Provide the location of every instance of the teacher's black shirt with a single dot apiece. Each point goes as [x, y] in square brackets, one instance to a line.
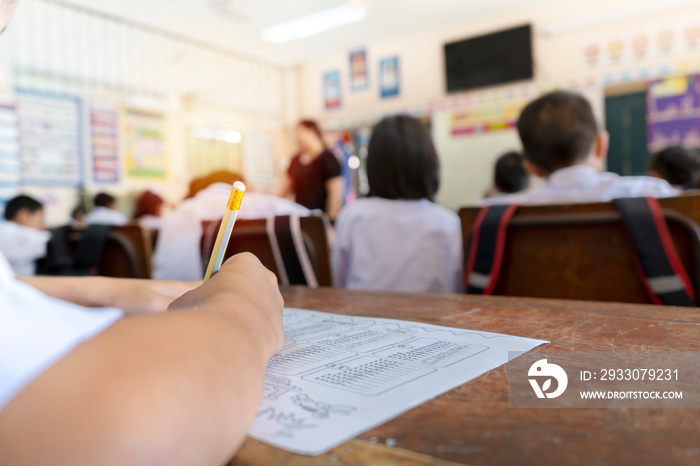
[310, 180]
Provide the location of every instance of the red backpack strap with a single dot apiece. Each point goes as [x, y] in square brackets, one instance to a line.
[486, 250]
[657, 261]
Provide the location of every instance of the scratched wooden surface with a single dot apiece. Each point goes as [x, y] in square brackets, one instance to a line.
[472, 424]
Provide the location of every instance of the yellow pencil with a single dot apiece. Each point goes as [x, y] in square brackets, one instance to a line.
[217, 254]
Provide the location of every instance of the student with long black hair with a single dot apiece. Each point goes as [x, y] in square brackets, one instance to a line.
[397, 238]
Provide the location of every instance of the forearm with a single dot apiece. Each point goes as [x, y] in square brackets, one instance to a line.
[334, 200]
[180, 388]
[84, 291]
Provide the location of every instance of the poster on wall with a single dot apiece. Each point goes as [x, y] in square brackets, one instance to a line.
[389, 79]
[50, 138]
[144, 144]
[673, 113]
[104, 144]
[331, 90]
[359, 74]
[10, 167]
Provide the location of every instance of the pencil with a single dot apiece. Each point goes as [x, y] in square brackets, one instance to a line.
[222, 238]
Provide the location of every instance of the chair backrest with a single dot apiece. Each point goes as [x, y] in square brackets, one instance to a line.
[583, 252]
[126, 252]
[254, 236]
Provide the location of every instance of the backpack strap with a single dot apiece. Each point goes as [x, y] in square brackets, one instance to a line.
[289, 249]
[91, 247]
[486, 250]
[658, 264]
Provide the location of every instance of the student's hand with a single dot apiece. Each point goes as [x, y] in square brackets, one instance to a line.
[245, 290]
[136, 297]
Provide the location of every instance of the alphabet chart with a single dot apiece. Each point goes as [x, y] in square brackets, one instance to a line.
[338, 376]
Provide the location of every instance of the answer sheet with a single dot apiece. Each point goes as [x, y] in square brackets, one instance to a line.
[338, 376]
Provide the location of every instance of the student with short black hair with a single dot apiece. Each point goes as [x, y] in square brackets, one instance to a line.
[563, 143]
[22, 236]
[509, 174]
[105, 212]
[398, 239]
[676, 165]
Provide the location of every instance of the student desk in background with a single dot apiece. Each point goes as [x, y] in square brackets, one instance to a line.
[472, 424]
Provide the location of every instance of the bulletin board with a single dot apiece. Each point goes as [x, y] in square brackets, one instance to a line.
[50, 128]
[673, 113]
[104, 143]
[10, 167]
[144, 144]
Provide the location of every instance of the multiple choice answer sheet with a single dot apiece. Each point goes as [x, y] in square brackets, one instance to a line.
[338, 376]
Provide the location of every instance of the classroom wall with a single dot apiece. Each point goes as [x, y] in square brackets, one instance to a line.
[65, 50]
[558, 63]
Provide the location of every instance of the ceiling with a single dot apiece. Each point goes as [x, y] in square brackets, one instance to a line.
[206, 20]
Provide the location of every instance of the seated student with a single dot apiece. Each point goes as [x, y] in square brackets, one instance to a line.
[23, 239]
[509, 175]
[149, 210]
[105, 212]
[177, 255]
[676, 165]
[397, 239]
[77, 217]
[562, 142]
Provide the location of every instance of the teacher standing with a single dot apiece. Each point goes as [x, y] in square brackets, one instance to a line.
[314, 174]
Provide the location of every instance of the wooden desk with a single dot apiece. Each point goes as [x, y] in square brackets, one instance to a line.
[472, 424]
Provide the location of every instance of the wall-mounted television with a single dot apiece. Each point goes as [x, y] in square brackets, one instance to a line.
[496, 58]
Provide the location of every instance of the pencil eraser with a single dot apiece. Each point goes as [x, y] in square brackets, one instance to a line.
[239, 186]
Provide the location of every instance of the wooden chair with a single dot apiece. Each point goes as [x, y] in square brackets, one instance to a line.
[583, 252]
[126, 253]
[253, 236]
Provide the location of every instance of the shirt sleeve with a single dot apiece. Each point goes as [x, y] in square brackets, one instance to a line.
[332, 166]
[36, 331]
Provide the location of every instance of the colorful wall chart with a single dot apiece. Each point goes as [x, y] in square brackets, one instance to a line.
[10, 167]
[104, 144]
[389, 77]
[331, 90]
[359, 74]
[144, 144]
[673, 113]
[50, 138]
[481, 116]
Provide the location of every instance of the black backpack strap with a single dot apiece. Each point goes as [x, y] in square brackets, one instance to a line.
[59, 254]
[486, 250]
[91, 247]
[657, 261]
[291, 252]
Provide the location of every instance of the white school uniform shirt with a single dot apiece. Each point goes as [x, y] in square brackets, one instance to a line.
[36, 331]
[398, 245]
[178, 256]
[583, 183]
[22, 246]
[105, 216]
[150, 222]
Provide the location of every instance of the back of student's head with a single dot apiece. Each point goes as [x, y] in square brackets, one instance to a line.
[221, 176]
[509, 174]
[148, 203]
[401, 160]
[557, 130]
[19, 203]
[676, 165]
[104, 200]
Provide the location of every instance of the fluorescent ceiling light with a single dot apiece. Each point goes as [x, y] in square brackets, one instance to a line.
[313, 24]
[638, 9]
